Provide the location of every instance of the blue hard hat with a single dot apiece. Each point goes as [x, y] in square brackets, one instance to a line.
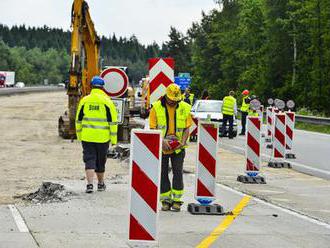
[97, 81]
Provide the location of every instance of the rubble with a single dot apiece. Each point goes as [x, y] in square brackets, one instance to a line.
[121, 152]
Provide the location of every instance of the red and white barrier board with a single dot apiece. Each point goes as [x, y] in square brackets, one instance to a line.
[194, 127]
[253, 144]
[161, 73]
[145, 165]
[206, 160]
[269, 116]
[290, 120]
[279, 137]
[261, 113]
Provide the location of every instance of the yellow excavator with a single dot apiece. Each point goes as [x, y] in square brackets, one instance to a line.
[85, 49]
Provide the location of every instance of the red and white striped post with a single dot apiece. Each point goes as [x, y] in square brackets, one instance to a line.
[194, 129]
[289, 128]
[206, 166]
[279, 143]
[161, 74]
[269, 116]
[145, 168]
[252, 153]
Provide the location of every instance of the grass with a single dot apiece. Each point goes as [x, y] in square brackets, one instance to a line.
[313, 127]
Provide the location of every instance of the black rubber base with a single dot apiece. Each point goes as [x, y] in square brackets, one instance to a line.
[269, 146]
[290, 156]
[251, 180]
[193, 138]
[279, 165]
[198, 209]
[263, 135]
[268, 140]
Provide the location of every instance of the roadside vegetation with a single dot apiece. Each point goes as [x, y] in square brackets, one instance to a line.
[313, 128]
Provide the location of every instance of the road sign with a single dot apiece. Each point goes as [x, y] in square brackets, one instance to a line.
[290, 104]
[280, 104]
[183, 82]
[270, 101]
[161, 74]
[184, 74]
[120, 107]
[255, 104]
[116, 81]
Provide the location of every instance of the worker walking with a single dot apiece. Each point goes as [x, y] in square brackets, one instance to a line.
[188, 97]
[172, 117]
[245, 110]
[96, 126]
[229, 109]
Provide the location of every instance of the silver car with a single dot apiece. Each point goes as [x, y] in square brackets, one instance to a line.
[204, 109]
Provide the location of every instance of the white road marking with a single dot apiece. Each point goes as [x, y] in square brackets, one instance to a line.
[20, 223]
[285, 210]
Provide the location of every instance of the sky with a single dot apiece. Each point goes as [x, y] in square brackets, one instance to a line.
[149, 20]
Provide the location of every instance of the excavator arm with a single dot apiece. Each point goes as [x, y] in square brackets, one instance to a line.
[85, 49]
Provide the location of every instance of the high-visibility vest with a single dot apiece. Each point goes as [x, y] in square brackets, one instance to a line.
[245, 106]
[228, 105]
[181, 114]
[190, 98]
[96, 119]
[253, 113]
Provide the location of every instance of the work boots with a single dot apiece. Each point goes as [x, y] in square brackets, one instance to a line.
[89, 188]
[176, 206]
[166, 205]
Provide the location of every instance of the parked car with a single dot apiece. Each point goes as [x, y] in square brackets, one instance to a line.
[202, 109]
[61, 85]
[20, 85]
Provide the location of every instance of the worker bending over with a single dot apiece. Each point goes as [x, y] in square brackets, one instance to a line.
[96, 126]
[172, 117]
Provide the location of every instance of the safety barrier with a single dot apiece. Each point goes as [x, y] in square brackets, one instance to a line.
[289, 132]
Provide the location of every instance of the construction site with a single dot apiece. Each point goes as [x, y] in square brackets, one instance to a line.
[265, 186]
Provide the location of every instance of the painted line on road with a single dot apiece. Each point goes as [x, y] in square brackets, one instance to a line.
[215, 234]
[283, 209]
[298, 165]
[20, 223]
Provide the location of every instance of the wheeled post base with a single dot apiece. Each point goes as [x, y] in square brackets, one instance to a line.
[269, 146]
[251, 180]
[279, 165]
[290, 156]
[198, 209]
[268, 140]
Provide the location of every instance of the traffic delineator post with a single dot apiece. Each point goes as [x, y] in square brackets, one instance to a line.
[274, 112]
[206, 168]
[289, 128]
[279, 144]
[269, 117]
[252, 153]
[145, 169]
[193, 129]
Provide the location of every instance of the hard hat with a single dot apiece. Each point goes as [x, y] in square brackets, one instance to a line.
[245, 92]
[173, 92]
[97, 81]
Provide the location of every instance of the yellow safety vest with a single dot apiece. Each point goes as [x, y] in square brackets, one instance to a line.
[228, 105]
[245, 106]
[253, 113]
[191, 98]
[96, 119]
[181, 114]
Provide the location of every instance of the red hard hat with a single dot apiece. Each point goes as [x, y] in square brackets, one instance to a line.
[245, 92]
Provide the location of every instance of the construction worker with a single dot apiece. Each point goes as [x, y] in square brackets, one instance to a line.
[245, 109]
[229, 109]
[96, 126]
[189, 97]
[172, 116]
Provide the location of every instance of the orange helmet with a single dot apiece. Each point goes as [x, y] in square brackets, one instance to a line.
[245, 92]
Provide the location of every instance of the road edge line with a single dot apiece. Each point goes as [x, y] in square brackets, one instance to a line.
[19, 221]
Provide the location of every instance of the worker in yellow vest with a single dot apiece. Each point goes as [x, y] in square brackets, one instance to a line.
[96, 126]
[229, 110]
[189, 97]
[172, 116]
[245, 109]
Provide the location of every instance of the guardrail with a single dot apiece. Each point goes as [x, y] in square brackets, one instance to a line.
[313, 120]
[25, 90]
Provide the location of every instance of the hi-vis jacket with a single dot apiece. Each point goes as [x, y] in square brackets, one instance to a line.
[96, 119]
[229, 105]
[245, 106]
[181, 114]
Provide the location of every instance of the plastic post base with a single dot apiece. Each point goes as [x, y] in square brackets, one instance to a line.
[290, 156]
[198, 209]
[269, 146]
[251, 180]
[268, 140]
[279, 165]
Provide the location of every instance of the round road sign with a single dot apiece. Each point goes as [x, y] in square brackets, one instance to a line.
[290, 104]
[116, 81]
[255, 104]
[280, 104]
[270, 101]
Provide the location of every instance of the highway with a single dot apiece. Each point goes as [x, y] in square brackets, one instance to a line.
[312, 151]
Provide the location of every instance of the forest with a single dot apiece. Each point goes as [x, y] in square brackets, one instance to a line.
[275, 48]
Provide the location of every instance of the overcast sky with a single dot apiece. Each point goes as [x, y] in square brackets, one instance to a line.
[149, 20]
